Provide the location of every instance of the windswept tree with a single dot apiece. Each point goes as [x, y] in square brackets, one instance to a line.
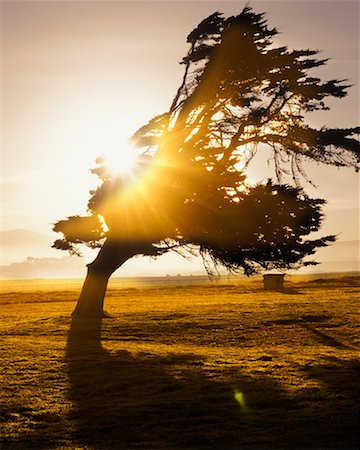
[239, 95]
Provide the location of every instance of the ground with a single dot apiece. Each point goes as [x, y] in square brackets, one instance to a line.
[200, 366]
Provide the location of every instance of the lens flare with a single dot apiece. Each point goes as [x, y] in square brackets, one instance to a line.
[240, 399]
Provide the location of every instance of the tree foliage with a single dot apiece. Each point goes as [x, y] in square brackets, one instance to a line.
[240, 94]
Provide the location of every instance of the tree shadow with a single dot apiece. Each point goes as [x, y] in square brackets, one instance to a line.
[124, 401]
[340, 378]
[171, 401]
[310, 323]
[324, 338]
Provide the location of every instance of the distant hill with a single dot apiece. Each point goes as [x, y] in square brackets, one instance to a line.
[28, 254]
[17, 245]
[65, 267]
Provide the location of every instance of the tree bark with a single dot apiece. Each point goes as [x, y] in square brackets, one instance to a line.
[112, 255]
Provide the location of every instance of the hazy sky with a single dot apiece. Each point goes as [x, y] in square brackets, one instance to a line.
[79, 77]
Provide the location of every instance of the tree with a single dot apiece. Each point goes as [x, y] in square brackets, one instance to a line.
[239, 95]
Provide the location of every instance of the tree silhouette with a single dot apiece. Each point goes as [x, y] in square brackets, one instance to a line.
[239, 95]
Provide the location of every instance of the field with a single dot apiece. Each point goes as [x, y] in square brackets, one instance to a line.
[197, 366]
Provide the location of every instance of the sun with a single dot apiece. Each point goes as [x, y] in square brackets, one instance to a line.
[123, 161]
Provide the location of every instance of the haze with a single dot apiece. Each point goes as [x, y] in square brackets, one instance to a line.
[80, 77]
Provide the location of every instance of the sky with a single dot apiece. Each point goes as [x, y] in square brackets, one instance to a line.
[78, 78]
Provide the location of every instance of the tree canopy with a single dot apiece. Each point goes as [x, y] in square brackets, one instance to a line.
[240, 94]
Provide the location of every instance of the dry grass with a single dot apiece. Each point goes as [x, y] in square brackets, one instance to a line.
[202, 366]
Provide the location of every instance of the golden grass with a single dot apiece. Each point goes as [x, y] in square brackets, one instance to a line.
[197, 366]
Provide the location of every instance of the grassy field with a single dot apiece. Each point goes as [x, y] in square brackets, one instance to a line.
[201, 366]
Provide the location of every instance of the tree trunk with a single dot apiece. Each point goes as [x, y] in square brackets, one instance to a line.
[111, 256]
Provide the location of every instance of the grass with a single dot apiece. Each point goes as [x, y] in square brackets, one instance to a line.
[203, 366]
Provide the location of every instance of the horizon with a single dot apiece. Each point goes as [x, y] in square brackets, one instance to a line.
[121, 281]
[343, 256]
